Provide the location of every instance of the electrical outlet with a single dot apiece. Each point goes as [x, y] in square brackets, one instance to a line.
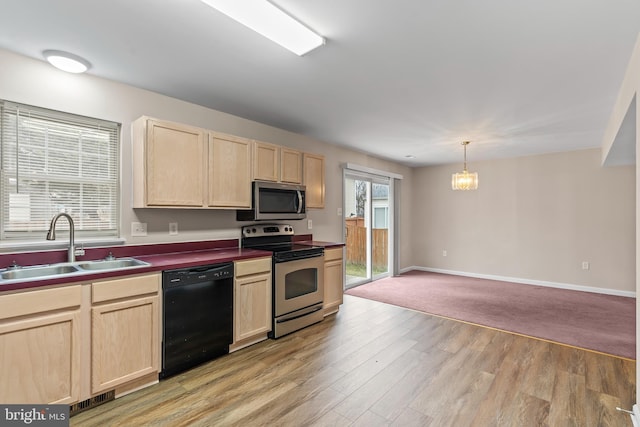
[339, 211]
[585, 265]
[173, 228]
[309, 224]
[138, 229]
[444, 252]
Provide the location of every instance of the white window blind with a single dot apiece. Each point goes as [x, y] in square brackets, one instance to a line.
[56, 162]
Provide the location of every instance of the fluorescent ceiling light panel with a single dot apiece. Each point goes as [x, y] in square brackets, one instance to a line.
[271, 22]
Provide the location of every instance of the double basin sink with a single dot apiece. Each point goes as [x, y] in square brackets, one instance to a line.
[67, 269]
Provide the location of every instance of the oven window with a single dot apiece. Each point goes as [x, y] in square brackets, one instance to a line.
[300, 282]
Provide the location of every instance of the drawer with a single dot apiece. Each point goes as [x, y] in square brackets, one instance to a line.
[39, 301]
[332, 254]
[253, 266]
[125, 288]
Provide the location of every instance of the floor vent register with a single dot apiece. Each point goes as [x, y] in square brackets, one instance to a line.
[92, 402]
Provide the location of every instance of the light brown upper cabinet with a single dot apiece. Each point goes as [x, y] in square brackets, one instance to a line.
[276, 163]
[229, 171]
[178, 166]
[169, 163]
[290, 166]
[314, 179]
[266, 161]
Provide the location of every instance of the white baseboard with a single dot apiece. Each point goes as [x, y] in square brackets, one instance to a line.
[526, 281]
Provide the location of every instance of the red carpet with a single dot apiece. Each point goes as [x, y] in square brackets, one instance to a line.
[604, 323]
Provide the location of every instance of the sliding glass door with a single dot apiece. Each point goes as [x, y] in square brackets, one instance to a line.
[367, 209]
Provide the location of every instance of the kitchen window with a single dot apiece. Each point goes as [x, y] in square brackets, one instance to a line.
[56, 162]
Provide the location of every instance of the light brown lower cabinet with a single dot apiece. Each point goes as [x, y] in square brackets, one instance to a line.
[125, 331]
[69, 343]
[40, 346]
[333, 280]
[251, 302]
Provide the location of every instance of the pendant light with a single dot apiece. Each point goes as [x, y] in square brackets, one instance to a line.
[465, 180]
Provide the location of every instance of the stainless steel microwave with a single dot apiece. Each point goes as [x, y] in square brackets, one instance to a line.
[275, 201]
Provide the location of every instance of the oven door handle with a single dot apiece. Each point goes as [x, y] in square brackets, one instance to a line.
[279, 258]
[300, 313]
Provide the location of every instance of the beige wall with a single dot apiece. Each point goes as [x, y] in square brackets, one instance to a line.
[534, 218]
[622, 140]
[35, 82]
[563, 210]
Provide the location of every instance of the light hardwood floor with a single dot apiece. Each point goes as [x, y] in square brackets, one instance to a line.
[375, 364]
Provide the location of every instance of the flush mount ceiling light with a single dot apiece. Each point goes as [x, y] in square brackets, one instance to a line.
[271, 22]
[66, 61]
[465, 180]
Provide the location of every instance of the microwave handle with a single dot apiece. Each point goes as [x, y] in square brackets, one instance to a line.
[299, 201]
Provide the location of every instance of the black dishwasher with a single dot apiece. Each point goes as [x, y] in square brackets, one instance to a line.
[197, 316]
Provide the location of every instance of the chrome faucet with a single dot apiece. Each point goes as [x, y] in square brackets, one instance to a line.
[51, 235]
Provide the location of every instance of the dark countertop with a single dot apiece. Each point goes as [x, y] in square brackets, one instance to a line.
[326, 245]
[159, 262]
[307, 239]
[192, 259]
[164, 256]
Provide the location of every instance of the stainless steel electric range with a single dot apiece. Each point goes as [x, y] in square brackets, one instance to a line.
[297, 276]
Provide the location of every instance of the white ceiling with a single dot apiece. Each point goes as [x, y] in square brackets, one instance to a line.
[396, 78]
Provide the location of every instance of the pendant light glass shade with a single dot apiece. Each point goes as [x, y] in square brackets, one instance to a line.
[465, 180]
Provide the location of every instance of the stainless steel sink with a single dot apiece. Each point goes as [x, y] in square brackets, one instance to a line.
[112, 264]
[78, 268]
[38, 272]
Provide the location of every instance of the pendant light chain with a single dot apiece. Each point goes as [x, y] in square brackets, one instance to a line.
[465, 154]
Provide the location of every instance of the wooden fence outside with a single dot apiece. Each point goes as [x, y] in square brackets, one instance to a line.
[357, 244]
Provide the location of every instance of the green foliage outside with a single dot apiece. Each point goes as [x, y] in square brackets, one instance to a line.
[360, 270]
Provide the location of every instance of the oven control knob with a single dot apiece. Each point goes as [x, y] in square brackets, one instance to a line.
[247, 231]
[254, 230]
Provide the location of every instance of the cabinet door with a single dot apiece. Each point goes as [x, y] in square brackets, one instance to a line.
[266, 164]
[124, 344]
[291, 166]
[41, 359]
[314, 179]
[175, 165]
[252, 306]
[40, 346]
[333, 280]
[229, 171]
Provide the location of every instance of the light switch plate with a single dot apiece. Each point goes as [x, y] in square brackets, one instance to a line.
[309, 224]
